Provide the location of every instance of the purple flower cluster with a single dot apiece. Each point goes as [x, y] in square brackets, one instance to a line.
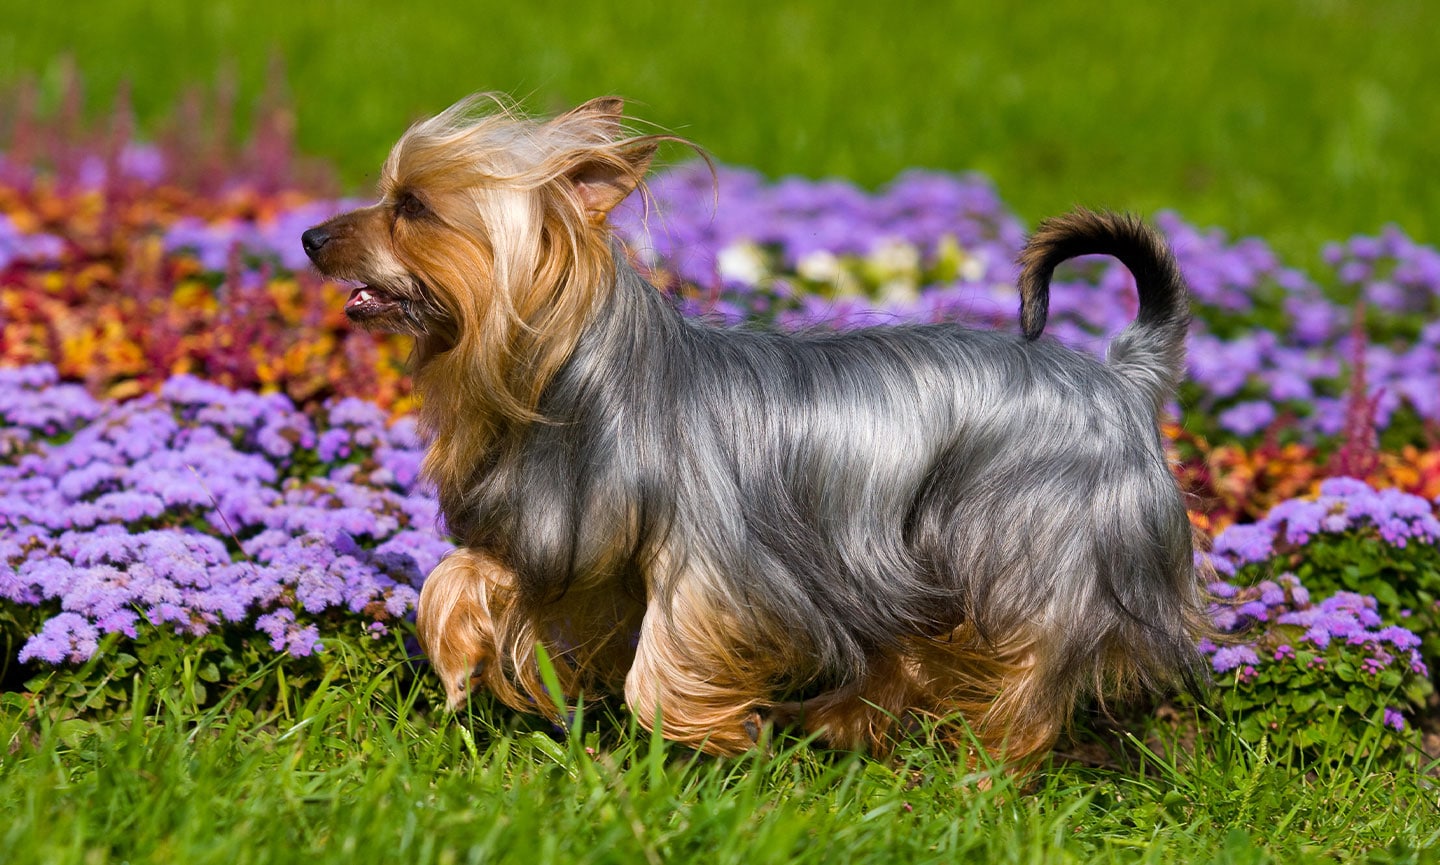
[1399, 518]
[200, 508]
[696, 217]
[34, 404]
[1391, 271]
[1344, 617]
[33, 247]
[1276, 622]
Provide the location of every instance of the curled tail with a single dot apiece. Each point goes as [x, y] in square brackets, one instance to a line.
[1152, 349]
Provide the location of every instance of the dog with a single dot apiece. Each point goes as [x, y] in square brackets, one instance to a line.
[848, 531]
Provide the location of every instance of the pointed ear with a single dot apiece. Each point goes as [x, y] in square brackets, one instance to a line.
[603, 184]
[605, 110]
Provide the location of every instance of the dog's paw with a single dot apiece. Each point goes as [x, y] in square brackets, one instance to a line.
[459, 685]
[786, 716]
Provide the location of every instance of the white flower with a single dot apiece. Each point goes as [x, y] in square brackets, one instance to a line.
[819, 266]
[742, 262]
[953, 261]
[898, 292]
[973, 267]
[892, 258]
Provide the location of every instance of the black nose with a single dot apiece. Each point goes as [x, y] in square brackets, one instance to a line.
[313, 239]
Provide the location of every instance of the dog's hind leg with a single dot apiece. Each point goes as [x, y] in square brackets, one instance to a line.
[700, 672]
[860, 714]
[998, 693]
[1008, 695]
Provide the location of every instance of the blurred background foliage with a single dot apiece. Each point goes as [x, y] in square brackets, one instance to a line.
[1298, 120]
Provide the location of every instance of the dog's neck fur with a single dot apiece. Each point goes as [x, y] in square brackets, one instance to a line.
[466, 422]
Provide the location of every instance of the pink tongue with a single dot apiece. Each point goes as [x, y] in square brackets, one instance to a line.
[359, 296]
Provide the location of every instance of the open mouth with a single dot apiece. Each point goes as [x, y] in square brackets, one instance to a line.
[369, 302]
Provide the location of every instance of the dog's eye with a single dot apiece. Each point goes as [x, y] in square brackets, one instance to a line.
[409, 205]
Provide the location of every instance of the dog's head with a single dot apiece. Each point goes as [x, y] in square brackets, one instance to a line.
[486, 221]
[489, 238]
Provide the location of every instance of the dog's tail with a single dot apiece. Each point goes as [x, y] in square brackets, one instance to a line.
[1152, 349]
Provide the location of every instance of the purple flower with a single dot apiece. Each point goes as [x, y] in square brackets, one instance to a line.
[1271, 595]
[1222, 589]
[334, 444]
[67, 637]
[178, 512]
[1256, 610]
[1244, 544]
[1228, 658]
[1302, 519]
[1247, 418]
[1399, 637]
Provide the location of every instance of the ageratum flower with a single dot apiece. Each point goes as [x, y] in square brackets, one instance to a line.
[1270, 622]
[1228, 658]
[65, 638]
[1248, 418]
[36, 248]
[1343, 504]
[184, 510]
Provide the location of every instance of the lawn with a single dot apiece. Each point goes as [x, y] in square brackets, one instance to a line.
[356, 775]
[210, 527]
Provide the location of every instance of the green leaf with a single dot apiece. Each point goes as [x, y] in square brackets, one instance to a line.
[551, 680]
[72, 731]
[1385, 593]
[547, 746]
[1360, 700]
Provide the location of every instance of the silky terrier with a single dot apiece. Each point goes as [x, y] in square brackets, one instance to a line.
[848, 531]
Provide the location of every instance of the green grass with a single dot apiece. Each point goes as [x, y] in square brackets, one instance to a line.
[1298, 120]
[332, 774]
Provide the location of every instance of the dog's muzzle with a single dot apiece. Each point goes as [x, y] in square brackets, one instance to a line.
[313, 240]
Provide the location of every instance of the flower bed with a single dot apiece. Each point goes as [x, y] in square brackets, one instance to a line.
[1328, 613]
[201, 509]
[124, 273]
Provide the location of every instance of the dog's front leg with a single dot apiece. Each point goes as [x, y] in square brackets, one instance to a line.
[455, 619]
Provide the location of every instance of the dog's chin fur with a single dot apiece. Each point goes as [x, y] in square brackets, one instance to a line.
[893, 523]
